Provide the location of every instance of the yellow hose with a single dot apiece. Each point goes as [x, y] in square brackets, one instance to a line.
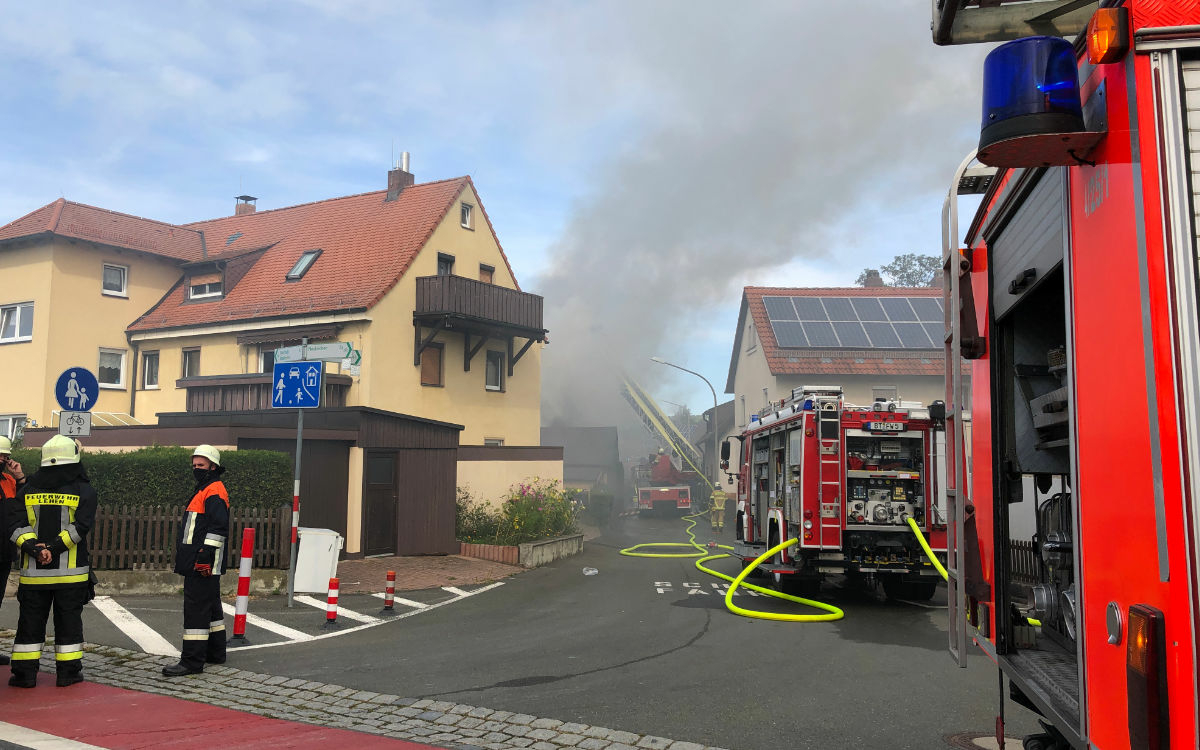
[925, 546]
[831, 612]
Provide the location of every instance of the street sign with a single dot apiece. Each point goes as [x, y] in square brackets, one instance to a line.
[330, 352]
[75, 423]
[296, 385]
[76, 389]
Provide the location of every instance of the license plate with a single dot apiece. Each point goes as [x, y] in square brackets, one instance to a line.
[885, 426]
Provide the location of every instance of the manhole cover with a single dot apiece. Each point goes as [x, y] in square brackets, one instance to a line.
[980, 741]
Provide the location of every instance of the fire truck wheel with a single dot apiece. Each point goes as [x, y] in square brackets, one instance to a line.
[921, 590]
[893, 586]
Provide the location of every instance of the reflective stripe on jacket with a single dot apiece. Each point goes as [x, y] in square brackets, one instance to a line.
[60, 518]
[202, 537]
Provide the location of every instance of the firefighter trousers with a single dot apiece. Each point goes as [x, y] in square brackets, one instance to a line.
[203, 622]
[35, 602]
[717, 516]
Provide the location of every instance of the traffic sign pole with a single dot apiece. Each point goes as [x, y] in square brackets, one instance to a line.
[296, 494]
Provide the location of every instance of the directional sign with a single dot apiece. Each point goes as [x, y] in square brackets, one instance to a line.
[75, 423]
[76, 389]
[296, 385]
[330, 352]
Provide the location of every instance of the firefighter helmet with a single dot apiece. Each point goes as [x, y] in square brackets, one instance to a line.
[60, 450]
[5, 446]
[209, 452]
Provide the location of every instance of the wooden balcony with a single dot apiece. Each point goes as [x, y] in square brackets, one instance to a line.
[249, 391]
[458, 302]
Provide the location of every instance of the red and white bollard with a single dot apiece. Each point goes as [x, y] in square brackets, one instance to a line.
[331, 604]
[242, 605]
[389, 595]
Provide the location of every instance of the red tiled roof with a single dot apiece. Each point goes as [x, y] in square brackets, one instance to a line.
[83, 222]
[812, 361]
[367, 243]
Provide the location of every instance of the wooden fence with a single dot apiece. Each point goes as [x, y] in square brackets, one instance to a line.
[129, 537]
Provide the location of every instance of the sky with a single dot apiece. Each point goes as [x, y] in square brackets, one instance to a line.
[642, 161]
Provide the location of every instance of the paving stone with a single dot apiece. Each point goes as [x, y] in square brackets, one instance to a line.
[519, 719]
[542, 734]
[516, 730]
[405, 701]
[545, 723]
[600, 733]
[472, 733]
[620, 746]
[276, 681]
[496, 745]
[364, 695]
[422, 704]
[407, 711]
[443, 737]
[568, 739]
[384, 699]
[345, 692]
[686, 746]
[520, 742]
[625, 738]
[501, 716]
[651, 742]
[430, 715]
[543, 746]
[468, 722]
[442, 706]
[592, 743]
[448, 719]
[496, 737]
[460, 709]
[328, 689]
[480, 713]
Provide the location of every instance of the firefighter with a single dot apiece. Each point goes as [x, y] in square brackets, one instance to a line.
[199, 558]
[12, 476]
[716, 509]
[49, 521]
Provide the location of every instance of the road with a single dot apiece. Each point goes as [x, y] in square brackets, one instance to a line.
[644, 646]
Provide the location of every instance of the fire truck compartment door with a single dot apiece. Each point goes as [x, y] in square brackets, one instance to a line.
[1029, 240]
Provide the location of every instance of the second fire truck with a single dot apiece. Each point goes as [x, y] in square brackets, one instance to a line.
[843, 481]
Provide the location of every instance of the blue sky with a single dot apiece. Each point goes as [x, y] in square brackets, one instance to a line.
[641, 161]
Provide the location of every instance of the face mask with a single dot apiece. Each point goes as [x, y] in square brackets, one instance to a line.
[200, 474]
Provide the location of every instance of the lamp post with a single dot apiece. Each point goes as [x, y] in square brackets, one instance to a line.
[713, 423]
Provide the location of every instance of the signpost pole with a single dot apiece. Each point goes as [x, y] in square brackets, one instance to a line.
[296, 493]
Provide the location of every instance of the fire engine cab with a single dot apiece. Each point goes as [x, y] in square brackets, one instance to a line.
[843, 480]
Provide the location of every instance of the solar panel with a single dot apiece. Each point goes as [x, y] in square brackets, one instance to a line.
[810, 308]
[937, 332]
[779, 308]
[897, 308]
[882, 335]
[912, 336]
[851, 335]
[839, 308]
[788, 333]
[868, 308]
[820, 334]
[927, 308]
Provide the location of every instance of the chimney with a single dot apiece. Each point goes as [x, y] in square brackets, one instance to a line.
[399, 178]
[872, 278]
[245, 205]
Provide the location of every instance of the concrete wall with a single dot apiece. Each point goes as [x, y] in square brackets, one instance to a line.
[489, 481]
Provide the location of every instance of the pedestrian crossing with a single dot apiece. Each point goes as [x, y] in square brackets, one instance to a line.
[153, 624]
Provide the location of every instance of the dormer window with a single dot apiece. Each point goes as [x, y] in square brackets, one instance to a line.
[205, 286]
[302, 265]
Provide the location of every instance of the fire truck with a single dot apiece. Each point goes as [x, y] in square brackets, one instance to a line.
[843, 480]
[660, 486]
[1072, 298]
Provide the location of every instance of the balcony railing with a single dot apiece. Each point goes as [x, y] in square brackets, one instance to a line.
[250, 391]
[459, 297]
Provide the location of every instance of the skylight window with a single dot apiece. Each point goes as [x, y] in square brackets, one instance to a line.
[232, 238]
[302, 265]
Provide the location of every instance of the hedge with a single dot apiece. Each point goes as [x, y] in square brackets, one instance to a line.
[162, 476]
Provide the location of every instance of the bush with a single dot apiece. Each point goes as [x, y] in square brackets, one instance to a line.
[162, 476]
[532, 511]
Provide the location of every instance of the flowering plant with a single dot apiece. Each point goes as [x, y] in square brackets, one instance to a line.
[537, 509]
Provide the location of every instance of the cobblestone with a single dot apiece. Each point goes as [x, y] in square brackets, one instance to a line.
[444, 723]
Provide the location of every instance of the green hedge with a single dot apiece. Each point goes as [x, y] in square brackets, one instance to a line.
[162, 476]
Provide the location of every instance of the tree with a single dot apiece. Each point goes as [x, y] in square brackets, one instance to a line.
[909, 269]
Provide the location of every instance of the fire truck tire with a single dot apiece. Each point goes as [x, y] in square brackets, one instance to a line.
[921, 591]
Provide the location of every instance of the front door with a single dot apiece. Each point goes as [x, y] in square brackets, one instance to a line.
[379, 503]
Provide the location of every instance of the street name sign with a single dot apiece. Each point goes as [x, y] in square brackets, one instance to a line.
[335, 351]
[296, 385]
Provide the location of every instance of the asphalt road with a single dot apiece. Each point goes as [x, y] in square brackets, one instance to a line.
[611, 650]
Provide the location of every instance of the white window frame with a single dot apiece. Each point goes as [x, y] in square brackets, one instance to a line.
[124, 290]
[120, 385]
[466, 215]
[22, 309]
[493, 442]
[9, 424]
[303, 264]
[499, 387]
[208, 292]
[183, 357]
[146, 384]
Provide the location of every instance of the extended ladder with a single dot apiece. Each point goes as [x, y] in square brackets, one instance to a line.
[658, 423]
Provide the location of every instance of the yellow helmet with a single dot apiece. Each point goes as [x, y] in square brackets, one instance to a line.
[209, 452]
[5, 446]
[60, 450]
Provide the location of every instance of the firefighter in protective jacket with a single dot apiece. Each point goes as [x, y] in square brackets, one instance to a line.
[49, 521]
[200, 558]
[11, 479]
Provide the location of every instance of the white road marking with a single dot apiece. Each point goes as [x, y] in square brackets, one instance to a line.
[274, 627]
[32, 738]
[405, 602]
[142, 634]
[341, 611]
[455, 591]
[923, 604]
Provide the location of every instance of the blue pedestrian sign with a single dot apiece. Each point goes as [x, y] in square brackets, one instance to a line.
[76, 389]
[296, 385]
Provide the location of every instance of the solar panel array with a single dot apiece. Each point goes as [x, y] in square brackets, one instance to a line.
[857, 322]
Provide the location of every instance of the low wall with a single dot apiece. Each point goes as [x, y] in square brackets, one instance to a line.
[487, 472]
[500, 553]
[527, 555]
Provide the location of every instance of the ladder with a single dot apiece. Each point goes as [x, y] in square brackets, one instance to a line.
[658, 423]
[829, 465]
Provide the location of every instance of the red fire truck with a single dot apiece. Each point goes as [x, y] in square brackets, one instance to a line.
[660, 486]
[1073, 525]
[843, 480]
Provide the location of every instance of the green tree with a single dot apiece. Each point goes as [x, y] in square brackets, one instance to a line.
[909, 269]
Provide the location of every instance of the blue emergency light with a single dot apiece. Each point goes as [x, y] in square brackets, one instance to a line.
[1030, 87]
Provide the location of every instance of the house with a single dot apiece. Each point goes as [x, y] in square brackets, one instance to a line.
[591, 461]
[876, 342]
[185, 319]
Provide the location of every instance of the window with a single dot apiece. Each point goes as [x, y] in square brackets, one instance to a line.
[110, 373]
[208, 289]
[191, 362]
[486, 273]
[150, 370]
[494, 377]
[493, 442]
[266, 357]
[16, 322]
[302, 265]
[445, 264]
[115, 278]
[431, 365]
[467, 215]
[12, 426]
